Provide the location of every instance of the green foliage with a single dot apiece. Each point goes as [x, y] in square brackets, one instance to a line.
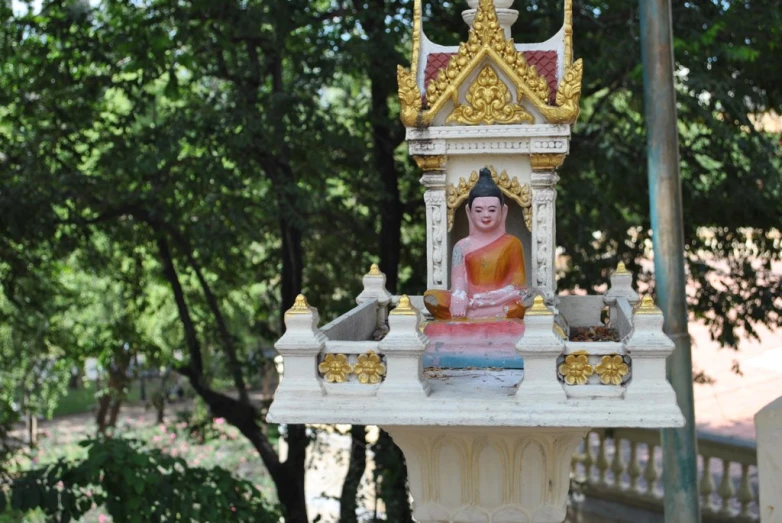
[137, 485]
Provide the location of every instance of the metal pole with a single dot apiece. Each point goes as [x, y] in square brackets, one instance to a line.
[679, 445]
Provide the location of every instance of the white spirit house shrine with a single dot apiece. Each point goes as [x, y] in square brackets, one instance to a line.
[489, 379]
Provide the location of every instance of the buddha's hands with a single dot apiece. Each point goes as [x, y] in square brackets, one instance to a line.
[496, 297]
[459, 304]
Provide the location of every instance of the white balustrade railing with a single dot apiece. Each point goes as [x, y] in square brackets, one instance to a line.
[625, 466]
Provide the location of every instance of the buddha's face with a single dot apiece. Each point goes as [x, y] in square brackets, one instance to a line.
[486, 213]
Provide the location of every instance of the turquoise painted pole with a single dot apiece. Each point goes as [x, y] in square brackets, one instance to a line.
[680, 473]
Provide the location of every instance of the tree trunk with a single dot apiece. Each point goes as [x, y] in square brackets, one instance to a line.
[104, 402]
[287, 477]
[391, 210]
[116, 405]
[356, 467]
[393, 486]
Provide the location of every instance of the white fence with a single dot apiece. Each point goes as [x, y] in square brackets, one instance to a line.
[625, 466]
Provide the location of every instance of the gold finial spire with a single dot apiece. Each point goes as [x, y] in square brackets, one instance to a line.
[647, 306]
[416, 38]
[621, 269]
[539, 308]
[568, 58]
[300, 306]
[404, 308]
[374, 270]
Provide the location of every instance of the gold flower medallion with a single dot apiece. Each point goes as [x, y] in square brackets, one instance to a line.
[612, 370]
[335, 368]
[369, 369]
[576, 370]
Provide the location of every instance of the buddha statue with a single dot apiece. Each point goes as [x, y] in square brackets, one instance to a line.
[488, 276]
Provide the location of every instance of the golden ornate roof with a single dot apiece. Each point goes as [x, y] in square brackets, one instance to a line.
[487, 48]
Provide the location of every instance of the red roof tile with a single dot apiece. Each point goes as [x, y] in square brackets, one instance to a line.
[544, 61]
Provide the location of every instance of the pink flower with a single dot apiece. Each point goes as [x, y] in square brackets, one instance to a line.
[219, 421]
[102, 518]
[233, 509]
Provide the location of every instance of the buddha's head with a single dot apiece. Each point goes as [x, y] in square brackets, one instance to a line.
[486, 209]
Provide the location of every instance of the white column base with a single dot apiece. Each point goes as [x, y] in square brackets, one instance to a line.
[488, 475]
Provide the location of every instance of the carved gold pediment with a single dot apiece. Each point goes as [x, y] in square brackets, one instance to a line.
[487, 44]
[489, 101]
[456, 195]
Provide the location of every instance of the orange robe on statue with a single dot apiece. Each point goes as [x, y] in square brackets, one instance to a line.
[492, 267]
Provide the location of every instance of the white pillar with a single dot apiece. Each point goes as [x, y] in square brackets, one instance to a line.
[540, 348]
[768, 423]
[434, 179]
[544, 198]
[403, 347]
[375, 289]
[299, 348]
[436, 238]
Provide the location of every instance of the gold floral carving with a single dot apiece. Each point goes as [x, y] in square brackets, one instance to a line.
[489, 102]
[404, 308]
[335, 368]
[546, 162]
[510, 187]
[568, 96]
[621, 269]
[300, 306]
[576, 369]
[487, 40]
[612, 369]
[430, 163]
[374, 270]
[409, 97]
[369, 369]
[539, 308]
[647, 307]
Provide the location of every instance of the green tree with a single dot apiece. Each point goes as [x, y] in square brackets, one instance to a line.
[136, 485]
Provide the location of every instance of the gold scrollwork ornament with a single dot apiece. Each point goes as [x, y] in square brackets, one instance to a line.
[546, 162]
[409, 97]
[430, 163]
[489, 102]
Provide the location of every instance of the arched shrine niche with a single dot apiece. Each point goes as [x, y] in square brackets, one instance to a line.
[518, 198]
